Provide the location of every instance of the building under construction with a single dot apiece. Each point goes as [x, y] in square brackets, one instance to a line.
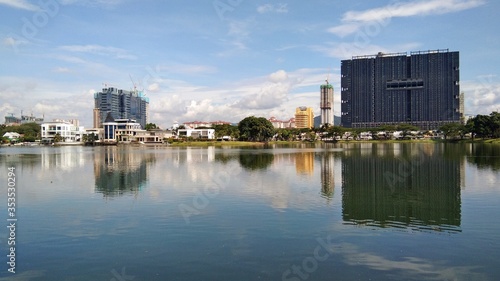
[120, 104]
[422, 89]
[326, 104]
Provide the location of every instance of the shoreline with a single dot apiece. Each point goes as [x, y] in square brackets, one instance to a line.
[262, 144]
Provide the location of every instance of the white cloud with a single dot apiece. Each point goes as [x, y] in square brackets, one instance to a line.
[13, 42]
[345, 29]
[271, 94]
[99, 50]
[154, 87]
[278, 76]
[20, 4]
[413, 268]
[275, 94]
[482, 95]
[273, 8]
[412, 8]
[353, 21]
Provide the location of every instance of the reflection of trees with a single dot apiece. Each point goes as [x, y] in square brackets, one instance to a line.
[485, 156]
[20, 161]
[256, 161]
[120, 171]
[225, 158]
[416, 187]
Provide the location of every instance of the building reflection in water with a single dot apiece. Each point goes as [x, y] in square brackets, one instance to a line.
[327, 174]
[120, 171]
[304, 163]
[409, 186]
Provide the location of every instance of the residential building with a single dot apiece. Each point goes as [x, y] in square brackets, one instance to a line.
[128, 131]
[12, 136]
[280, 124]
[197, 133]
[120, 104]
[326, 104]
[422, 89]
[304, 117]
[67, 131]
[201, 124]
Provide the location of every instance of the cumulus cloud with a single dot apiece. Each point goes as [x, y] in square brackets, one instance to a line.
[173, 100]
[272, 94]
[278, 76]
[482, 95]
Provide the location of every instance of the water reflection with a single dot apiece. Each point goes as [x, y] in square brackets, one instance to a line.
[484, 156]
[408, 186]
[120, 171]
[256, 161]
[304, 163]
[327, 174]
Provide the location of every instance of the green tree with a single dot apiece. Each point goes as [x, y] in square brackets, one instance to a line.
[335, 132]
[151, 126]
[31, 131]
[406, 129]
[58, 138]
[479, 126]
[389, 130]
[453, 130]
[226, 130]
[256, 129]
[495, 124]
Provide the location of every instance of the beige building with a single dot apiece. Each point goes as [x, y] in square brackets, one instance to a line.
[304, 117]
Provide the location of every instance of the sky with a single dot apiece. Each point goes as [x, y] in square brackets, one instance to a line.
[226, 59]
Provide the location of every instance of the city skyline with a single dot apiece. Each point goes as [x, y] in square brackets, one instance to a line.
[226, 60]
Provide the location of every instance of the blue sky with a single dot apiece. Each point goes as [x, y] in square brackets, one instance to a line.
[226, 59]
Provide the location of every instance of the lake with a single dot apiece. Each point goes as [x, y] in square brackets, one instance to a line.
[351, 211]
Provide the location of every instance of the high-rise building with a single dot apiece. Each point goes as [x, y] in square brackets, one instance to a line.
[326, 104]
[304, 117]
[120, 104]
[421, 89]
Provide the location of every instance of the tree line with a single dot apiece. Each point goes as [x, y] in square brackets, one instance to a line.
[260, 129]
[480, 126]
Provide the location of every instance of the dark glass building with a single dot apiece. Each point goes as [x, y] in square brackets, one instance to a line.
[121, 104]
[421, 89]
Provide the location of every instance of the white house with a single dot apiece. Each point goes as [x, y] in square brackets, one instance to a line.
[66, 130]
[197, 133]
[128, 131]
[12, 135]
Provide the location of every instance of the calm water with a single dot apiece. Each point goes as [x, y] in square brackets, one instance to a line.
[330, 212]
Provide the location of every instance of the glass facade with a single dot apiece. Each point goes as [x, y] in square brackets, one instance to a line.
[122, 105]
[421, 89]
